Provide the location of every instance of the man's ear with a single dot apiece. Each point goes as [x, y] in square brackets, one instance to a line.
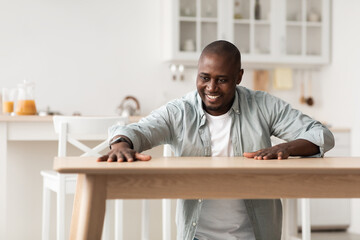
[239, 77]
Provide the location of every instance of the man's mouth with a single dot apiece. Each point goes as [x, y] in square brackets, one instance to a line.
[212, 97]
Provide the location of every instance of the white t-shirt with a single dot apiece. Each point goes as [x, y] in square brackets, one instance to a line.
[223, 218]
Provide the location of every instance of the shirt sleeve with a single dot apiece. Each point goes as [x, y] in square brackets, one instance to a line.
[290, 124]
[151, 131]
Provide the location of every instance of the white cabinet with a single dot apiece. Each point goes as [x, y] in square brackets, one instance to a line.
[285, 32]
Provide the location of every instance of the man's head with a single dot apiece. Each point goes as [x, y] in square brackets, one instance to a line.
[219, 71]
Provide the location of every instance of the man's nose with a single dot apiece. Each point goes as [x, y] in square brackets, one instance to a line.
[211, 86]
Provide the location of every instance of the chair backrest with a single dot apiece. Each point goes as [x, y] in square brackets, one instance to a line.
[74, 128]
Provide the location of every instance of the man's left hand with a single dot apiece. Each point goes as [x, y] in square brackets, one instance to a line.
[276, 152]
[299, 147]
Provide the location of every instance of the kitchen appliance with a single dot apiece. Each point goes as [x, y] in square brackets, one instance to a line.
[129, 106]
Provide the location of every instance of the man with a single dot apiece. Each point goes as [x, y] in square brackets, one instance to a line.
[223, 119]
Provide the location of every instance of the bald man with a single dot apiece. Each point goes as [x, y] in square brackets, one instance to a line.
[222, 118]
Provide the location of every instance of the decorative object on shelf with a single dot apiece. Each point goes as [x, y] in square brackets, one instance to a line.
[283, 78]
[129, 106]
[189, 45]
[209, 12]
[314, 17]
[237, 10]
[257, 10]
[186, 12]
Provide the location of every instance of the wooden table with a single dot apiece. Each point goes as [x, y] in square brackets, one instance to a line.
[202, 177]
[22, 128]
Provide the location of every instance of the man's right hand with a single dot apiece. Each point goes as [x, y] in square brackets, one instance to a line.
[121, 152]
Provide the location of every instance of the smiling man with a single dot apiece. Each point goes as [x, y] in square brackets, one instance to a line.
[222, 118]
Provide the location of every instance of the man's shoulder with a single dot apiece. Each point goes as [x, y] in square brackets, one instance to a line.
[189, 99]
[244, 92]
[252, 96]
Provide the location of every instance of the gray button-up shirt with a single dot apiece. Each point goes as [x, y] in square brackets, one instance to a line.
[256, 116]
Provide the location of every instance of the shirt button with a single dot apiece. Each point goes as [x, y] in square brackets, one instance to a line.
[200, 200]
[194, 224]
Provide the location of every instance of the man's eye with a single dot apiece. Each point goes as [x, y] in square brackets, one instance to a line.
[204, 78]
[222, 80]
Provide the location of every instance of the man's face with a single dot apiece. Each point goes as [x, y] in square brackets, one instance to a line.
[216, 82]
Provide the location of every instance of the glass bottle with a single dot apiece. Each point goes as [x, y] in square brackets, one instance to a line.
[25, 104]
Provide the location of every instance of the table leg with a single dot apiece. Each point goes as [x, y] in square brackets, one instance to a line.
[3, 179]
[89, 208]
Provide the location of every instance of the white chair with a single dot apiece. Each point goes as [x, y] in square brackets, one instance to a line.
[73, 129]
[290, 220]
[166, 211]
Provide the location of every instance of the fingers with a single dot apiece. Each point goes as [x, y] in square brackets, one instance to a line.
[267, 154]
[102, 158]
[142, 157]
[123, 156]
[250, 154]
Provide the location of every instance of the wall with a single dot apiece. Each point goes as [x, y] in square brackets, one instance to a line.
[88, 55]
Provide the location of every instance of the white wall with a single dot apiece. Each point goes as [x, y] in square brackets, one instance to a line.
[87, 55]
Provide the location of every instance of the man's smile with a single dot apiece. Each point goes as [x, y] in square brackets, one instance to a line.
[212, 97]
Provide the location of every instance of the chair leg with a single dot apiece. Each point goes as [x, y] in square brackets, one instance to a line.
[119, 219]
[107, 221]
[45, 231]
[290, 219]
[60, 213]
[145, 220]
[166, 219]
[305, 219]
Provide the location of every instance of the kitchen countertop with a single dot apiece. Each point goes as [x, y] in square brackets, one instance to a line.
[36, 118]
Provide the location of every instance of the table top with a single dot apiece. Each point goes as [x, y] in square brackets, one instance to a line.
[167, 165]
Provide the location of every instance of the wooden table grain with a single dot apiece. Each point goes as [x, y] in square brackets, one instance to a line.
[202, 177]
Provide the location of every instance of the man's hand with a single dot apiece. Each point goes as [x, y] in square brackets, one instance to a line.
[276, 152]
[121, 152]
[299, 147]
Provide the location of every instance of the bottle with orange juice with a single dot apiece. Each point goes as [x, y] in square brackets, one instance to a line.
[25, 104]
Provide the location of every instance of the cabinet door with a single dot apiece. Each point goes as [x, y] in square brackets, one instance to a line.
[307, 30]
[251, 26]
[198, 24]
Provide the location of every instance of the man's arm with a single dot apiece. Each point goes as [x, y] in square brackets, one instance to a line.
[122, 152]
[299, 147]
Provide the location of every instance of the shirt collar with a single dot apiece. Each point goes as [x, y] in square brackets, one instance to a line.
[235, 105]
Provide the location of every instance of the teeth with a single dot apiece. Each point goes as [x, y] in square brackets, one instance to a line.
[213, 97]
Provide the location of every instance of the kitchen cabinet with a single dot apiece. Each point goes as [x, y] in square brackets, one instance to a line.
[287, 32]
